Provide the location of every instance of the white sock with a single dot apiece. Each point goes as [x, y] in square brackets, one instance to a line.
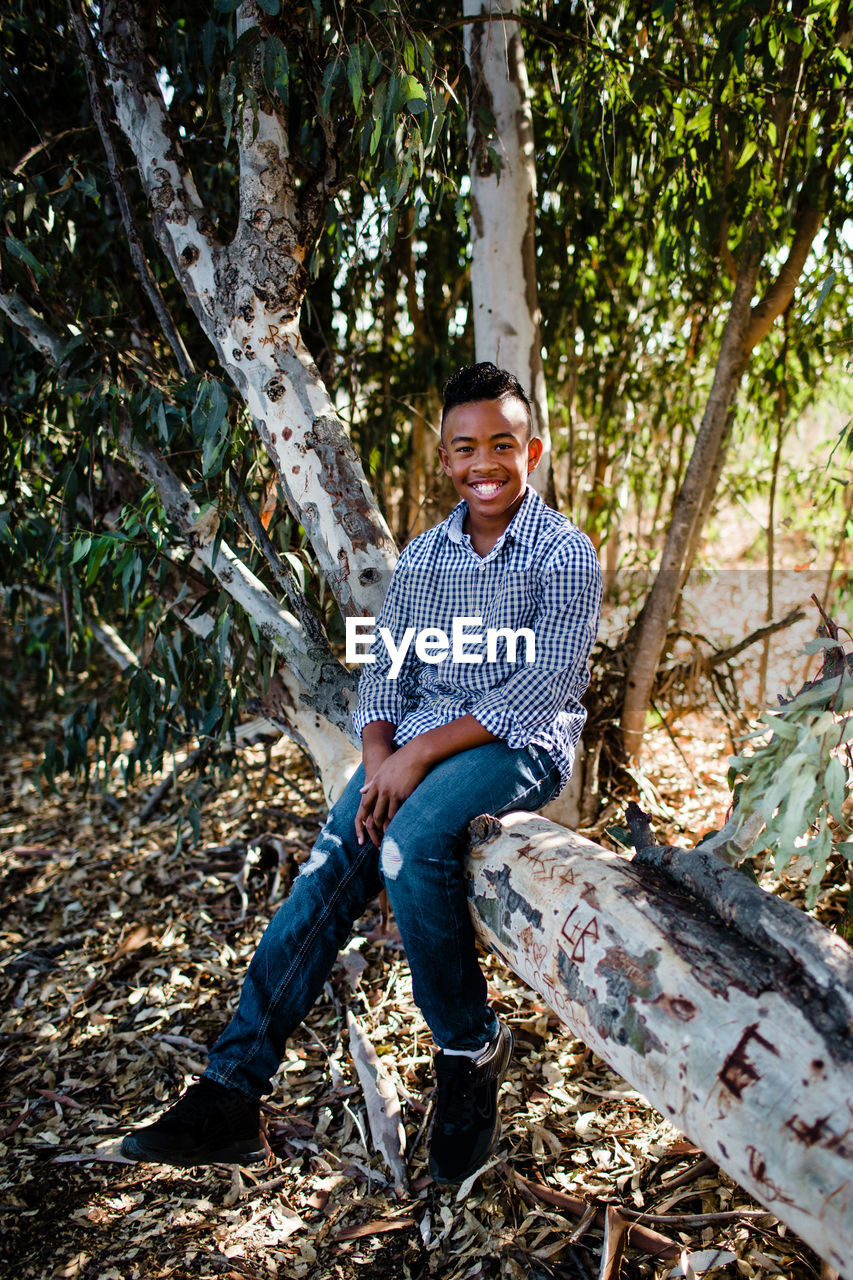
[465, 1053]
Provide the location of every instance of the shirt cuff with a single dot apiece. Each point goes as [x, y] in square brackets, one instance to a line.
[493, 714]
[384, 707]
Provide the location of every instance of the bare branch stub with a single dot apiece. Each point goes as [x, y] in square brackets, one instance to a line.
[640, 826]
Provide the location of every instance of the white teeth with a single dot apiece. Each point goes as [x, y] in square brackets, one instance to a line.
[486, 488]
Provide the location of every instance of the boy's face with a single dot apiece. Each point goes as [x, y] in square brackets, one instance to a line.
[488, 453]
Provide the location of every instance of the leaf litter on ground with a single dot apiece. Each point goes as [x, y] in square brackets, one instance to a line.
[121, 959]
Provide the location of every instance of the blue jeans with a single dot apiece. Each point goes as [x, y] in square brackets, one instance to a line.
[421, 862]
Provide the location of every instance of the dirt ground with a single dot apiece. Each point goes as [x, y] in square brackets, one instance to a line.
[121, 956]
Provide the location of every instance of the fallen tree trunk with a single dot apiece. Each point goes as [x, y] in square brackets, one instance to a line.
[741, 1038]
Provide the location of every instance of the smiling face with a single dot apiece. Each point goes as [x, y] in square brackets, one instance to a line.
[488, 452]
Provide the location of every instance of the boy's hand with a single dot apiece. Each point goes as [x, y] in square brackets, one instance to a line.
[391, 776]
[377, 744]
[383, 793]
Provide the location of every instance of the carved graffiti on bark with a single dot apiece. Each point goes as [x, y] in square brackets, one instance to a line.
[738, 1072]
[578, 935]
[770, 1191]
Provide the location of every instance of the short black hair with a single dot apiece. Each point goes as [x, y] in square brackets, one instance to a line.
[484, 381]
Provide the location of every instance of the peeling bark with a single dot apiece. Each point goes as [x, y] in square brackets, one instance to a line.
[507, 319]
[736, 1025]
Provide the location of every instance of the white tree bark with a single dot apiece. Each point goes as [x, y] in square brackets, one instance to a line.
[247, 297]
[503, 208]
[735, 1023]
[44, 339]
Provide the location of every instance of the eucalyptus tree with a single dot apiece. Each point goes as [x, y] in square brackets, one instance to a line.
[751, 171]
[310, 104]
[289, 152]
[506, 315]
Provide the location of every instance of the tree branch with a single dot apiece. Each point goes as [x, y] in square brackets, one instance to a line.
[181, 222]
[95, 75]
[282, 571]
[778, 297]
[44, 339]
[330, 684]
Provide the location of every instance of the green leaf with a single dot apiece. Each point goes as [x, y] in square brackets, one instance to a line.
[825, 290]
[329, 77]
[22, 253]
[701, 121]
[819, 644]
[269, 6]
[835, 781]
[210, 720]
[413, 90]
[747, 153]
[375, 135]
[88, 187]
[354, 77]
[81, 548]
[96, 559]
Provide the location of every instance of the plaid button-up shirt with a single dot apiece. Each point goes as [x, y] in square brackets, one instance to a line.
[541, 574]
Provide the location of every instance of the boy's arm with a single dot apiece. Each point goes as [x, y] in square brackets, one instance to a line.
[381, 699]
[377, 744]
[400, 772]
[565, 627]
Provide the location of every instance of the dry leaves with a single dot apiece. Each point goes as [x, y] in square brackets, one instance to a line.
[120, 960]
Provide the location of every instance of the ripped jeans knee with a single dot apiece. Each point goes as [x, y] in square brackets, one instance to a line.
[390, 858]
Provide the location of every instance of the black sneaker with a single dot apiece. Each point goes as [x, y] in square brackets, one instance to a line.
[210, 1124]
[466, 1127]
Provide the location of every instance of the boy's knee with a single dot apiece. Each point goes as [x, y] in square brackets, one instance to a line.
[329, 841]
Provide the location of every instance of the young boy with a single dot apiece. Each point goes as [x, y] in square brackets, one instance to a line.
[447, 733]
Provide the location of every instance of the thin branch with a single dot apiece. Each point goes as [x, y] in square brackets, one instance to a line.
[685, 670]
[180, 219]
[639, 1237]
[284, 575]
[316, 669]
[45, 144]
[95, 76]
[43, 338]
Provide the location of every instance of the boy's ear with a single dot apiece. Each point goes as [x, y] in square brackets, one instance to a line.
[534, 453]
[444, 460]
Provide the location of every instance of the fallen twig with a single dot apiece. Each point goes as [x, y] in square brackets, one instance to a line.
[638, 1237]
